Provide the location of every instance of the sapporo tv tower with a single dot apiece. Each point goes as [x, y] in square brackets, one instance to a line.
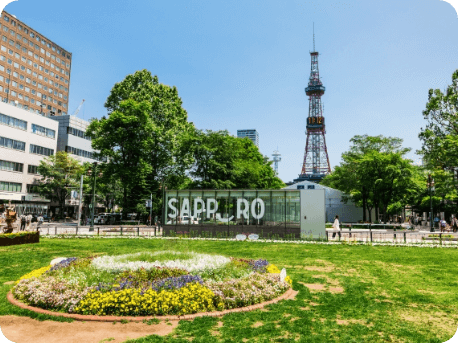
[316, 160]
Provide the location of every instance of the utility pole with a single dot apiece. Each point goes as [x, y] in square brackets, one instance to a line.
[151, 209]
[93, 197]
[78, 218]
[431, 189]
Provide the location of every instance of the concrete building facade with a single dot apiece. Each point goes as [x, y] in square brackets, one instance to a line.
[334, 204]
[72, 138]
[25, 139]
[34, 71]
[251, 134]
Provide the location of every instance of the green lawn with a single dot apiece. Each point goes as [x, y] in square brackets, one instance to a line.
[346, 293]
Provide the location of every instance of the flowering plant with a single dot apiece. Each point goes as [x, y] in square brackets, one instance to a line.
[143, 284]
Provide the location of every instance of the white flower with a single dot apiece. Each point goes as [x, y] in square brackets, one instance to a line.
[198, 262]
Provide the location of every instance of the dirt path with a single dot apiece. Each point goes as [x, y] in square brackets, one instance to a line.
[25, 330]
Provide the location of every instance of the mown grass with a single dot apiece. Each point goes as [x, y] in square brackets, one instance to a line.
[346, 293]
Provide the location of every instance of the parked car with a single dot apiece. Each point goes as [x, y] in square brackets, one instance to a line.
[100, 219]
[46, 218]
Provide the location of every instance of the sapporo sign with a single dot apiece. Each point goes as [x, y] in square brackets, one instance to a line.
[257, 208]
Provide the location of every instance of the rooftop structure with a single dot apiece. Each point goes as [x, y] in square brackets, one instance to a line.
[276, 158]
[34, 71]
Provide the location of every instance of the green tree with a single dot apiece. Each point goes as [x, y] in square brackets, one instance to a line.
[60, 175]
[375, 174]
[440, 146]
[226, 162]
[146, 139]
[440, 136]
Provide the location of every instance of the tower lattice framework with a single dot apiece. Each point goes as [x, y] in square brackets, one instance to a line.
[316, 160]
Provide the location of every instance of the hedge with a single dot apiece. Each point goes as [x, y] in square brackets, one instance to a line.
[19, 238]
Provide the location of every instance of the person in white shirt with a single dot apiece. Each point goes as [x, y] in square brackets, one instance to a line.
[336, 225]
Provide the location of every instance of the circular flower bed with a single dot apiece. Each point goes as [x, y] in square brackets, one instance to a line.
[151, 283]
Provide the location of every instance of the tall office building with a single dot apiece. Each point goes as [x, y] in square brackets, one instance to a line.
[251, 134]
[34, 71]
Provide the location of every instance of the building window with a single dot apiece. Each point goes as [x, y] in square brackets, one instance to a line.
[39, 150]
[12, 144]
[11, 166]
[32, 170]
[77, 133]
[10, 186]
[43, 131]
[78, 152]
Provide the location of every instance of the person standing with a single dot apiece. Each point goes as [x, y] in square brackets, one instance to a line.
[29, 221]
[336, 225]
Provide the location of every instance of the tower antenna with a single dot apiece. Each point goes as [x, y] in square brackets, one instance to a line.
[316, 160]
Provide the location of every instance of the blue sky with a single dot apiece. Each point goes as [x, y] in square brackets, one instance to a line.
[245, 64]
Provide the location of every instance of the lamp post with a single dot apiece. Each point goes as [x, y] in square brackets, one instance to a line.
[93, 197]
[431, 189]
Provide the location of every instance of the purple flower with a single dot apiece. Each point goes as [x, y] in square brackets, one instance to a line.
[62, 264]
[259, 265]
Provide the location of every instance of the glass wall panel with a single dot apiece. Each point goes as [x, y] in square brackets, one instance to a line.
[170, 213]
[209, 198]
[184, 209]
[220, 213]
[222, 199]
[249, 197]
[197, 207]
[293, 209]
[278, 208]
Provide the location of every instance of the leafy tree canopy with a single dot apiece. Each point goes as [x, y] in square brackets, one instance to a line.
[226, 162]
[440, 136]
[60, 174]
[146, 138]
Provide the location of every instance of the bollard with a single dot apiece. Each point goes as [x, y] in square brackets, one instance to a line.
[55, 233]
[76, 234]
[370, 231]
[98, 230]
[154, 230]
[138, 231]
[440, 238]
[327, 236]
[405, 237]
[121, 230]
[339, 235]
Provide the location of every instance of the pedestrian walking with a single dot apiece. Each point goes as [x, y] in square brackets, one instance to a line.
[336, 225]
[23, 219]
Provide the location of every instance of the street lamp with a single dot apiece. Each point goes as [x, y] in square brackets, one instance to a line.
[93, 197]
[431, 190]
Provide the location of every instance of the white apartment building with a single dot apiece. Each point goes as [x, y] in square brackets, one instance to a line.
[25, 139]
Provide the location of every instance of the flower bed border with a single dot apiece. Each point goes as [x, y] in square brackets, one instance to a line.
[19, 238]
[288, 295]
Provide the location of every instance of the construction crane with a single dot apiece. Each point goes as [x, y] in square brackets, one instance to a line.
[78, 109]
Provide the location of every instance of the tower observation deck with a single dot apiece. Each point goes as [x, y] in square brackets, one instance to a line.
[316, 161]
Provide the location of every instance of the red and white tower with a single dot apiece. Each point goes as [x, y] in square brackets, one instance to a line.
[316, 160]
